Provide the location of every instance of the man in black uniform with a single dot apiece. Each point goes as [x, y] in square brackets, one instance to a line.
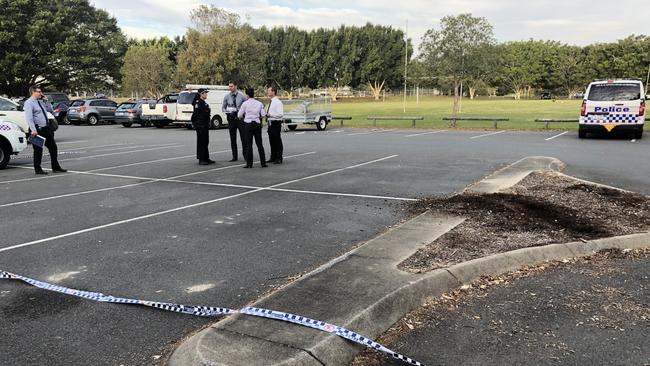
[201, 123]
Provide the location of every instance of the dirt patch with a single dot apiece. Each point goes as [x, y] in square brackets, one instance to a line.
[554, 313]
[544, 208]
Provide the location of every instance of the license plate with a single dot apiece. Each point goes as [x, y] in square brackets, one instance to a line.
[598, 117]
[72, 111]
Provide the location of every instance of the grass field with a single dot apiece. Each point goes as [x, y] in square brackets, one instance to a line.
[522, 113]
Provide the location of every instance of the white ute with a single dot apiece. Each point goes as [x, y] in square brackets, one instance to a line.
[12, 141]
[611, 105]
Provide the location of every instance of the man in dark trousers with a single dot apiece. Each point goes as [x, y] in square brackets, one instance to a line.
[274, 117]
[232, 102]
[201, 123]
[36, 117]
[251, 114]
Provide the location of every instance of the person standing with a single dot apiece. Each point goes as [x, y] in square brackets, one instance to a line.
[232, 103]
[36, 116]
[201, 123]
[251, 114]
[275, 117]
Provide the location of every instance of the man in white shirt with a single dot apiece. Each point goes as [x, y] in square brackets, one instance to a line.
[275, 117]
[251, 113]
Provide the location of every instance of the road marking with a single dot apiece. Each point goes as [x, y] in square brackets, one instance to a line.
[99, 170]
[487, 134]
[177, 209]
[122, 153]
[425, 133]
[146, 179]
[374, 130]
[556, 136]
[93, 147]
[71, 142]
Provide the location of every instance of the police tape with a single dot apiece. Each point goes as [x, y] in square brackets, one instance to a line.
[208, 311]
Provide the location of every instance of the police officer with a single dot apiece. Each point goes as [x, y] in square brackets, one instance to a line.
[37, 120]
[201, 123]
[274, 117]
[232, 103]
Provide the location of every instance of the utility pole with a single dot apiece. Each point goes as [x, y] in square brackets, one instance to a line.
[406, 60]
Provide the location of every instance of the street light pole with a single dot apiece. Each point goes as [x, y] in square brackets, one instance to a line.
[406, 60]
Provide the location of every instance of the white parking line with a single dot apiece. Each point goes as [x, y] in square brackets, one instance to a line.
[71, 142]
[377, 130]
[487, 134]
[93, 147]
[147, 181]
[199, 204]
[556, 136]
[425, 133]
[122, 153]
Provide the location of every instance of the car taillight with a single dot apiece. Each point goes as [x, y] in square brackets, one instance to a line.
[82, 109]
[642, 109]
[131, 111]
[583, 109]
[57, 110]
[164, 109]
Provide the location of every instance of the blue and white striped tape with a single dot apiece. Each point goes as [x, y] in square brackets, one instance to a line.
[208, 311]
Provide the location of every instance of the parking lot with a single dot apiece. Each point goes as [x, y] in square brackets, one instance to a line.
[137, 217]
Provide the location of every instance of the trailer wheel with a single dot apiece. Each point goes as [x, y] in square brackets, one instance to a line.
[216, 123]
[321, 124]
[292, 127]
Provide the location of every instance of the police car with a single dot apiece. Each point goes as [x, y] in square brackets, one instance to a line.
[12, 141]
[611, 105]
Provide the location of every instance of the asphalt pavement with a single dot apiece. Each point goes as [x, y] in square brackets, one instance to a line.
[138, 217]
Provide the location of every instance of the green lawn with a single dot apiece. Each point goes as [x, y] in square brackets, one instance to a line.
[522, 113]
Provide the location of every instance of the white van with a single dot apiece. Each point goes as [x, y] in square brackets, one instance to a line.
[613, 105]
[184, 107]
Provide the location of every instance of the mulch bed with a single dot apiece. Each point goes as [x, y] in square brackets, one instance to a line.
[544, 208]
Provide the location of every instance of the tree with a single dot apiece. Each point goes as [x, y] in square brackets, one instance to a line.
[522, 66]
[454, 49]
[64, 45]
[147, 71]
[219, 48]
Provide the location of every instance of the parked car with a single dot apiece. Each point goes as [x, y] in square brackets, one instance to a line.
[92, 111]
[161, 112]
[12, 111]
[55, 97]
[546, 95]
[61, 111]
[129, 113]
[184, 107]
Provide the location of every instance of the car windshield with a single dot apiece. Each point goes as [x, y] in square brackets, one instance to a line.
[187, 98]
[125, 106]
[614, 92]
[77, 103]
[58, 97]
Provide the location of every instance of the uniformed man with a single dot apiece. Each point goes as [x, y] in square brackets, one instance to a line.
[232, 102]
[251, 114]
[201, 123]
[36, 117]
[274, 117]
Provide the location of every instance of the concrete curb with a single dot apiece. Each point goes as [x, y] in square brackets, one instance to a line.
[365, 292]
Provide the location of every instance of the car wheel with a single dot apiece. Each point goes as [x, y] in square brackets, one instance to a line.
[638, 134]
[292, 127]
[5, 154]
[216, 123]
[158, 125]
[93, 120]
[581, 133]
[322, 124]
[127, 124]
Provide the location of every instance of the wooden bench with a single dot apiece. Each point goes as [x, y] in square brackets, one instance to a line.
[384, 118]
[491, 119]
[547, 121]
[341, 118]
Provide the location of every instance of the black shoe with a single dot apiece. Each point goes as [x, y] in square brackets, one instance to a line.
[264, 165]
[211, 162]
[232, 160]
[270, 161]
[278, 161]
[248, 167]
[60, 170]
[204, 163]
[41, 172]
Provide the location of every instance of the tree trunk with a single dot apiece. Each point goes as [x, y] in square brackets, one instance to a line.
[333, 92]
[376, 88]
[472, 92]
[456, 102]
[518, 92]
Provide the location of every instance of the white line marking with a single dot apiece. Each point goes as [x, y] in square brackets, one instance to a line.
[556, 136]
[93, 147]
[199, 204]
[71, 142]
[147, 179]
[122, 153]
[363, 133]
[425, 133]
[487, 134]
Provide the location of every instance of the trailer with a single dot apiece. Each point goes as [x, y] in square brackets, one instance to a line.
[312, 111]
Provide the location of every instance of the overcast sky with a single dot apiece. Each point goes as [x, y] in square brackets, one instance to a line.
[570, 21]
